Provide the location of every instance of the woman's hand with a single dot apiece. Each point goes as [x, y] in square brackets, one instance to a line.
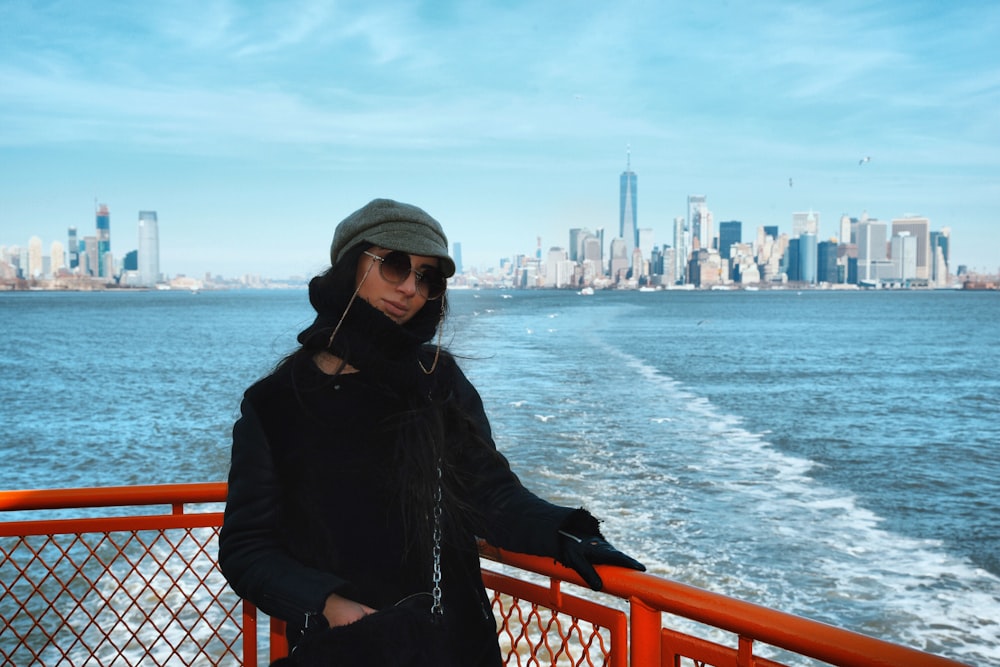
[340, 611]
[583, 553]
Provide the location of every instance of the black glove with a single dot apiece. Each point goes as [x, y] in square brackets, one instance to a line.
[582, 553]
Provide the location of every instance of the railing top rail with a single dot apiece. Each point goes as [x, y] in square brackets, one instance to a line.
[795, 633]
[111, 496]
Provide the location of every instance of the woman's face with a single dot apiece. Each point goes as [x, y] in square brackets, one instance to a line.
[399, 301]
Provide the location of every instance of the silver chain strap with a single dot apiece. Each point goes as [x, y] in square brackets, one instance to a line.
[436, 607]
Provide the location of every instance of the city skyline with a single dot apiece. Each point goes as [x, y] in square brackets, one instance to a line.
[699, 225]
[863, 254]
[253, 131]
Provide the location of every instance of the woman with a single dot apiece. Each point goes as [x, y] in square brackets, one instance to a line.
[363, 468]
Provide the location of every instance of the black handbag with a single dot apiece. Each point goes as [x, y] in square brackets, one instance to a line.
[405, 635]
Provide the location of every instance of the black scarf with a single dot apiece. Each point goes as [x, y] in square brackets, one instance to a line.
[388, 353]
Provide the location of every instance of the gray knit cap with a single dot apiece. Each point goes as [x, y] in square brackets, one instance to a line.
[396, 226]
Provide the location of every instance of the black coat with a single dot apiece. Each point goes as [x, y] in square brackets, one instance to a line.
[312, 507]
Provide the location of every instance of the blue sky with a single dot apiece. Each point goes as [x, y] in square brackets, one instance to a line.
[253, 128]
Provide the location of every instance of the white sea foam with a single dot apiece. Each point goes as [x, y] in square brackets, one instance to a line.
[701, 498]
[794, 544]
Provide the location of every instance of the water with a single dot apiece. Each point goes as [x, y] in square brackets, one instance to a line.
[832, 455]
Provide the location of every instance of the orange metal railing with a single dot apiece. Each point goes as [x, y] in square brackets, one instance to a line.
[122, 587]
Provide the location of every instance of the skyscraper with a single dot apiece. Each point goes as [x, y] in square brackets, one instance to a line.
[149, 249]
[871, 250]
[792, 261]
[903, 253]
[628, 228]
[103, 239]
[939, 256]
[88, 257]
[845, 229]
[584, 246]
[58, 255]
[920, 229]
[35, 257]
[730, 232]
[699, 221]
[576, 236]
[826, 262]
[73, 248]
[807, 257]
[680, 248]
[618, 264]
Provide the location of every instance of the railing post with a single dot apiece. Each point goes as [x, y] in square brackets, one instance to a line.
[644, 641]
[249, 635]
[744, 652]
[277, 639]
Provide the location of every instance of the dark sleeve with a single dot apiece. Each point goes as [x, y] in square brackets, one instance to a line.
[250, 554]
[513, 517]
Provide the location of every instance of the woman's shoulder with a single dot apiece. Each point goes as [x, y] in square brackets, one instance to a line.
[450, 378]
[272, 385]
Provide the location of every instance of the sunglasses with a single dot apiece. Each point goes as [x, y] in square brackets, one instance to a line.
[395, 268]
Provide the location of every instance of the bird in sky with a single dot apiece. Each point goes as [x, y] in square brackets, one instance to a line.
[865, 159]
[789, 182]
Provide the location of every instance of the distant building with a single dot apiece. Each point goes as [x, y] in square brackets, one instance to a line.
[638, 263]
[791, 263]
[559, 269]
[35, 269]
[699, 222]
[808, 261]
[939, 256]
[575, 243]
[904, 254]
[742, 267]
[845, 229]
[618, 264]
[131, 261]
[769, 254]
[872, 256]
[58, 255]
[730, 232]
[920, 229]
[584, 246]
[591, 251]
[148, 260]
[72, 248]
[103, 241]
[826, 263]
[628, 229]
[681, 242]
[89, 258]
[706, 267]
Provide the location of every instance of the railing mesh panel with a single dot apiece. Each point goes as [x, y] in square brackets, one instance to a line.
[532, 635]
[146, 597]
